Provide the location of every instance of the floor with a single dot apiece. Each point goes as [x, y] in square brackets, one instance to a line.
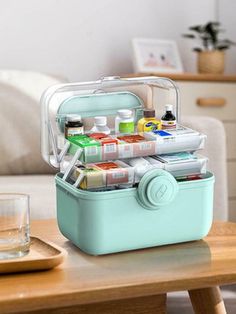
[179, 303]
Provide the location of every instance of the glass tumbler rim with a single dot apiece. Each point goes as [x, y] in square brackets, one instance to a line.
[12, 196]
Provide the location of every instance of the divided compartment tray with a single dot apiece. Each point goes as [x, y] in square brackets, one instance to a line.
[164, 142]
[42, 256]
[127, 173]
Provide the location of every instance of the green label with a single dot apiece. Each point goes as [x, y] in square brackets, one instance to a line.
[126, 127]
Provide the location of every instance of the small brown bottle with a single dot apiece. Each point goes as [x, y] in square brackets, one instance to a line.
[168, 121]
[73, 125]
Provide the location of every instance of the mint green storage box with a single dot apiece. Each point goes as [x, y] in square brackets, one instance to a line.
[160, 211]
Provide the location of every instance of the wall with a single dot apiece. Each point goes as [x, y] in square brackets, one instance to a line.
[86, 39]
[227, 9]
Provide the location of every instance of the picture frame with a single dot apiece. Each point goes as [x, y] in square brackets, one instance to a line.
[156, 56]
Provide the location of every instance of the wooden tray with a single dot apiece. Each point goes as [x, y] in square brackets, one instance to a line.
[42, 256]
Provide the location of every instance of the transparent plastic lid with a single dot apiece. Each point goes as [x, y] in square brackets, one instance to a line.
[98, 98]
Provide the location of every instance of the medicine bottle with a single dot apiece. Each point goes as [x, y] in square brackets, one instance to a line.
[148, 122]
[168, 120]
[73, 125]
[100, 126]
[124, 122]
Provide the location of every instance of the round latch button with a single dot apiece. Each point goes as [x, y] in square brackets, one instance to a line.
[160, 191]
[157, 188]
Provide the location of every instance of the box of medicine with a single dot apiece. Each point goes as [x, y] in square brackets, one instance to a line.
[140, 145]
[176, 140]
[117, 172]
[91, 148]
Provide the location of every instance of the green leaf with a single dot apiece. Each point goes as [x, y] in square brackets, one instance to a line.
[209, 36]
[196, 28]
[197, 49]
[209, 28]
[223, 47]
[189, 36]
[205, 37]
[206, 40]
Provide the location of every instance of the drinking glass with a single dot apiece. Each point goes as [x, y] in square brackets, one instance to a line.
[14, 225]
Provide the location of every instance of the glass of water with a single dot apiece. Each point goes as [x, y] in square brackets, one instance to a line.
[14, 225]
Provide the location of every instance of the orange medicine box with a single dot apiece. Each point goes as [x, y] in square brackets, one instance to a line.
[125, 150]
[144, 148]
[116, 172]
[97, 136]
[141, 146]
[109, 145]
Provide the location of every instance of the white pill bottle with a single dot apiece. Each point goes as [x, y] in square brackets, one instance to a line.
[124, 122]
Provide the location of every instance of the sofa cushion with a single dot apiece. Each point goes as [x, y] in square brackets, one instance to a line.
[215, 150]
[20, 93]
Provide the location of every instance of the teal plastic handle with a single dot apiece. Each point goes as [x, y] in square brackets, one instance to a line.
[105, 104]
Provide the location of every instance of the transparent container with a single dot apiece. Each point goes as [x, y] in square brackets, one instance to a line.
[124, 122]
[100, 126]
[14, 225]
[157, 211]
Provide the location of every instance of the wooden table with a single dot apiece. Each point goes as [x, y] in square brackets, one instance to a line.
[132, 282]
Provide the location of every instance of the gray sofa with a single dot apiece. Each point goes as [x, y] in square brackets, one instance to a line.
[22, 168]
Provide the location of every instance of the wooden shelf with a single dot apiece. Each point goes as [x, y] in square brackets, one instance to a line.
[189, 76]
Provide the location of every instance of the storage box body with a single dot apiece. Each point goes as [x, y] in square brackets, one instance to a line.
[115, 221]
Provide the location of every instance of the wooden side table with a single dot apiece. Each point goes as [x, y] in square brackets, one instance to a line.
[131, 282]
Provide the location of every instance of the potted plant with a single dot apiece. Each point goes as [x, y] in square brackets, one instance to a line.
[211, 52]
